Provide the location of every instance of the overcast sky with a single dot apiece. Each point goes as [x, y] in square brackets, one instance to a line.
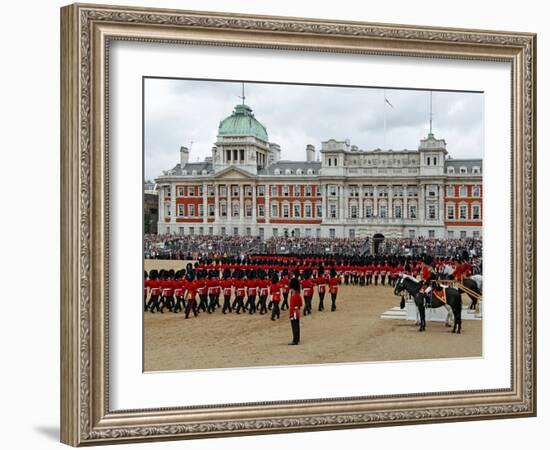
[178, 112]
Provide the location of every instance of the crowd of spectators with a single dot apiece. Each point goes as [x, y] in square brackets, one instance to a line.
[196, 247]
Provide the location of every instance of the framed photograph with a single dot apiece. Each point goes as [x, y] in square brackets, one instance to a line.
[276, 224]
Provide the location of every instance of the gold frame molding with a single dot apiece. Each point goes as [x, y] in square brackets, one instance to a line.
[86, 31]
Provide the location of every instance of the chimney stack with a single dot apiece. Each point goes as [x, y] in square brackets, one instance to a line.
[184, 156]
[310, 153]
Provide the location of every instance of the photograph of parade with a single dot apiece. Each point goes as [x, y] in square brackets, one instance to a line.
[350, 232]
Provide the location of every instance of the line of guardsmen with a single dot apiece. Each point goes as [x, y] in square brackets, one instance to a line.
[260, 283]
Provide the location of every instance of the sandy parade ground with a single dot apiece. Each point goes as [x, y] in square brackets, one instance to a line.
[353, 333]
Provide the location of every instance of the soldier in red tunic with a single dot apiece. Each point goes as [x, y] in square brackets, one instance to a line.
[191, 295]
[179, 292]
[240, 292]
[307, 290]
[321, 282]
[226, 285]
[154, 286]
[285, 289]
[252, 290]
[333, 283]
[275, 289]
[263, 286]
[295, 306]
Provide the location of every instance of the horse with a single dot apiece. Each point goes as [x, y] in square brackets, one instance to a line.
[475, 284]
[452, 295]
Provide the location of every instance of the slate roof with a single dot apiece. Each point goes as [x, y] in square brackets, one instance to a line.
[468, 163]
[293, 166]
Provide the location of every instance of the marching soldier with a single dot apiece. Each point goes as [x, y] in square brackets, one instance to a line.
[295, 306]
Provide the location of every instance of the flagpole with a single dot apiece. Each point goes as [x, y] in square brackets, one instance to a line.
[384, 100]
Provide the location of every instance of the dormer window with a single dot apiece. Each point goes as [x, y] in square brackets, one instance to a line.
[288, 172]
[310, 171]
[184, 172]
[476, 169]
[277, 171]
[194, 172]
[299, 171]
[450, 170]
[463, 170]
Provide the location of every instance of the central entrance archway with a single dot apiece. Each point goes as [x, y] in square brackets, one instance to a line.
[377, 240]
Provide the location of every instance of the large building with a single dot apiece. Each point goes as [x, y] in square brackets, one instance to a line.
[245, 188]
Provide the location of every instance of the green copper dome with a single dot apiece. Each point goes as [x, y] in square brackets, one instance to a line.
[242, 123]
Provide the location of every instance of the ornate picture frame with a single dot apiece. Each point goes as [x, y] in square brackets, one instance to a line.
[86, 34]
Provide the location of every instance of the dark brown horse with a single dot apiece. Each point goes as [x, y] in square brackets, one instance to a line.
[452, 296]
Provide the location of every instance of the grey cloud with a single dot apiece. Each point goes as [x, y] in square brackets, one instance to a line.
[180, 111]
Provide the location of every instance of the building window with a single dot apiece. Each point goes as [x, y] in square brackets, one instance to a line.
[223, 191]
[428, 161]
[223, 209]
[248, 209]
[331, 233]
[261, 232]
[285, 190]
[463, 171]
[308, 191]
[383, 211]
[275, 232]
[286, 210]
[191, 210]
[235, 191]
[235, 210]
[412, 211]
[368, 210]
[273, 190]
[261, 191]
[274, 210]
[462, 234]
[450, 170]
[308, 232]
[368, 191]
[248, 191]
[352, 233]
[201, 210]
[288, 172]
[277, 171]
[475, 169]
[319, 210]
[435, 160]
[180, 191]
[211, 231]
[200, 191]
[463, 191]
[307, 210]
[180, 210]
[475, 212]
[353, 211]
[261, 210]
[248, 231]
[211, 211]
[450, 212]
[463, 212]
[191, 191]
[450, 234]
[476, 234]
[332, 211]
[431, 233]
[241, 154]
[411, 234]
[450, 191]
[297, 191]
[332, 191]
[235, 231]
[210, 190]
[201, 231]
[475, 191]
[222, 231]
[397, 211]
[431, 212]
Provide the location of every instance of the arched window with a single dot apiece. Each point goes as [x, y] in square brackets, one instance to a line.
[204, 172]
[184, 172]
[450, 170]
[476, 169]
[194, 172]
[299, 171]
[288, 172]
[277, 171]
[310, 171]
[463, 170]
